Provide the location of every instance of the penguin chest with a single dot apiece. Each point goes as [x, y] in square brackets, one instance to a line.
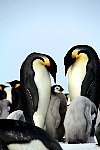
[76, 75]
[34, 145]
[43, 83]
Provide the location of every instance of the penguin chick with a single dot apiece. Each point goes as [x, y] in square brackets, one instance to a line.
[56, 113]
[18, 135]
[97, 134]
[15, 95]
[4, 108]
[17, 115]
[3, 93]
[78, 120]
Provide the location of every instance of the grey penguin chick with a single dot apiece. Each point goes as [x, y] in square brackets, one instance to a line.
[56, 113]
[17, 115]
[78, 120]
[4, 108]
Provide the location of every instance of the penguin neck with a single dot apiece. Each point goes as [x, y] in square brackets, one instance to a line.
[76, 75]
[43, 83]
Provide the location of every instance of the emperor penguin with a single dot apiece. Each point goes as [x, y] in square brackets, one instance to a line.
[15, 95]
[35, 84]
[56, 113]
[78, 120]
[3, 93]
[18, 135]
[97, 134]
[82, 64]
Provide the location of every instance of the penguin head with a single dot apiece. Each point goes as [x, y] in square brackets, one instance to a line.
[2, 87]
[56, 89]
[80, 52]
[14, 84]
[48, 62]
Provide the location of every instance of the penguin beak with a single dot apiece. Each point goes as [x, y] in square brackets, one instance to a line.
[69, 59]
[52, 70]
[51, 67]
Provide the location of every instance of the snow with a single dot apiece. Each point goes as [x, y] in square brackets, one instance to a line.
[87, 146]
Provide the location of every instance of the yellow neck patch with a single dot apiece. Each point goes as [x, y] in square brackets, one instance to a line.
[75, 53]
[17, 85]
[46, 62]
[1, 88]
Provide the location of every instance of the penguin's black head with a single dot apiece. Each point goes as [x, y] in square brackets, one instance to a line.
[56, 89]
[81, 52]
[48, 62]
[14, 83]
[2, 87]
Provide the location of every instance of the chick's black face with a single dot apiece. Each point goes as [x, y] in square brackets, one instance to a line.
[56, 89]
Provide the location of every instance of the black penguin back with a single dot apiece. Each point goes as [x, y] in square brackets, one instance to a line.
[21, 132]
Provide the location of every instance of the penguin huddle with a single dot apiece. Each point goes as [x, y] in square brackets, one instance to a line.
[39, 114]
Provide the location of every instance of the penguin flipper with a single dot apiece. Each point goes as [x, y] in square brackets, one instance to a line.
[55, 111]
[86, 84]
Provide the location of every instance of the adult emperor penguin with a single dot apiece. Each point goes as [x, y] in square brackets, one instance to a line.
[56, 113]
[3, 93]
[15, 95]
[78, 120]
[18, 135]
[82, 64]
[36, 86]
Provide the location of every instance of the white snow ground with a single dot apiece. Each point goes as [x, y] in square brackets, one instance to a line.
[87, 146]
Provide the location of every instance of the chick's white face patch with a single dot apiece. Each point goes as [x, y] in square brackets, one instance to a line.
[57, 89]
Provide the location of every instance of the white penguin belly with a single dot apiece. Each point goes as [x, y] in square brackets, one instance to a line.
[34, 145]
[43, 83]
[76, 75]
